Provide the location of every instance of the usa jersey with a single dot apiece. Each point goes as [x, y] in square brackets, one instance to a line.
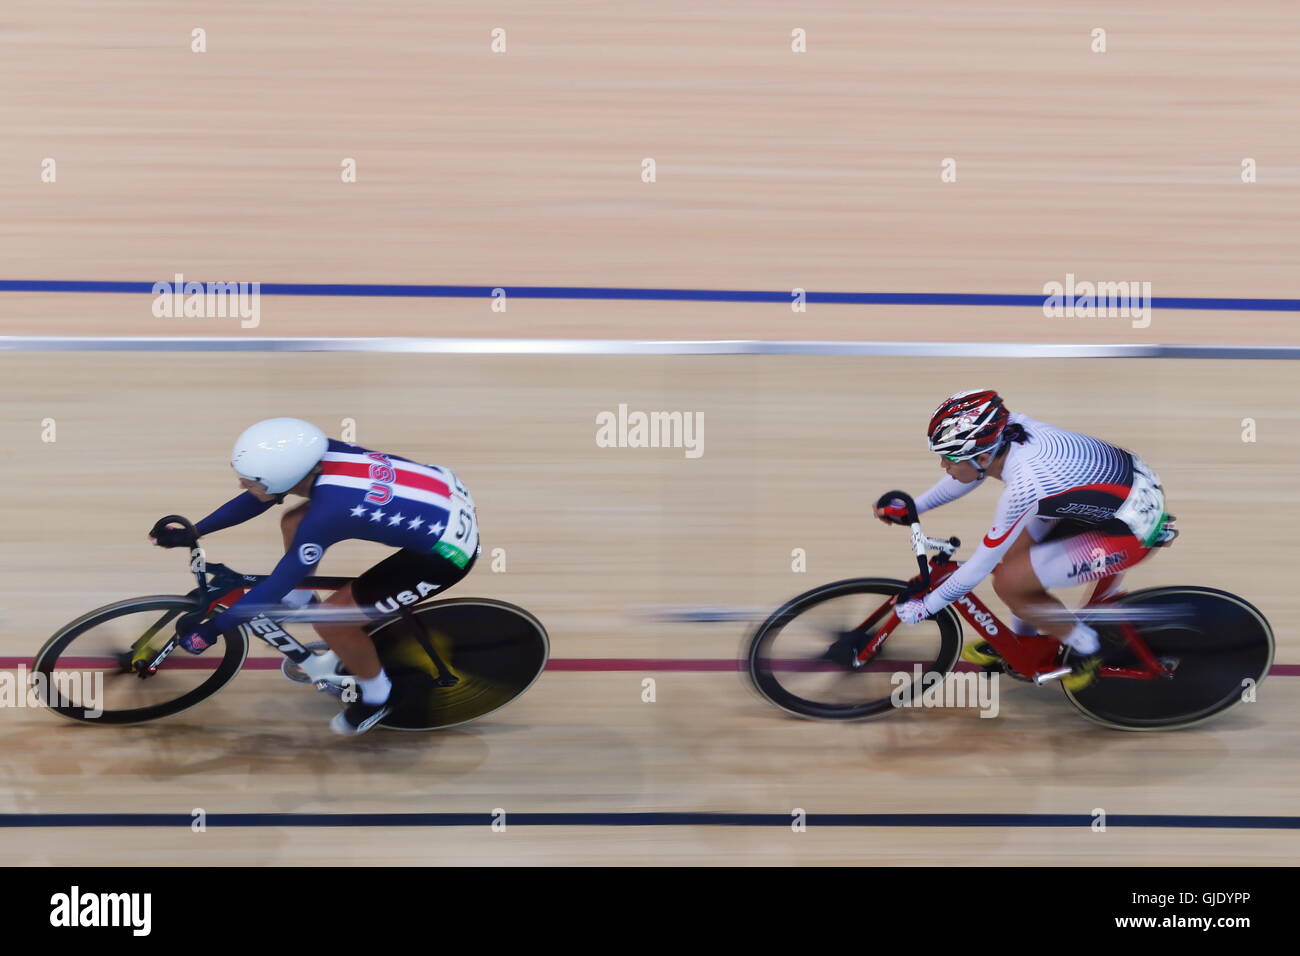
[359, 494]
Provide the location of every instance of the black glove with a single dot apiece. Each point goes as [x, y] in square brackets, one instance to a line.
[894, 512]
[170, 537]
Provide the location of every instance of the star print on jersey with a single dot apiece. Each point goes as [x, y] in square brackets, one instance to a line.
[357, 495]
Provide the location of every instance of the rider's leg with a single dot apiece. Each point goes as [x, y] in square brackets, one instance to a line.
[1037, 529]
[347, 638]
[1065, 562]
[981, 652]
[1020, 627]
[404, 578]
[1016, 582]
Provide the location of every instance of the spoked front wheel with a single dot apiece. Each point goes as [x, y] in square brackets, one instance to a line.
[485, 654]
[1218, 647]
[799, 657]
[89, 670]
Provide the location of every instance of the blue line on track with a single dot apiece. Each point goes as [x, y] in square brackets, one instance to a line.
[644, 820]
[653, 295]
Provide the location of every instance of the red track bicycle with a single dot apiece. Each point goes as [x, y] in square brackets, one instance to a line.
[1171, 656]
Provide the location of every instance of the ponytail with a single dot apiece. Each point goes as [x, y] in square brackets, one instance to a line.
[1015, 433]
[1011, 434]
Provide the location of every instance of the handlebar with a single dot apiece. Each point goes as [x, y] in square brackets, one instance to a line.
[199, 567]
[889, 496]
[175, 519]
[920, 543]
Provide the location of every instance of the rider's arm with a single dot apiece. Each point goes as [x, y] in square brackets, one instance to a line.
[304, 554]
[944, 490]
[1012, 516]
[235, 511]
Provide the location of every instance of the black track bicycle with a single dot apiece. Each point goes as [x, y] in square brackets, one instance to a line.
[458, 659]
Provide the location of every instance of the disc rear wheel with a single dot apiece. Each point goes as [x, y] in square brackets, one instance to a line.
[1218, 647]
[487, 654]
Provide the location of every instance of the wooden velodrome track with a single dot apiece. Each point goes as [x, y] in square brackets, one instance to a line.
[775, 170]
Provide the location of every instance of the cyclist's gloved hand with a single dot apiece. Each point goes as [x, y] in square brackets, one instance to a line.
[189, 621]
[895, 512]
[187, 635]
[195, 643]
[171, 537]
[912, 611]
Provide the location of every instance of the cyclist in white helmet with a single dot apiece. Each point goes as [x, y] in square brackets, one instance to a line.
[1074, 509]
[352, 492]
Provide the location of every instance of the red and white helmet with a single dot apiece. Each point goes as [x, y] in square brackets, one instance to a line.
[968, 424]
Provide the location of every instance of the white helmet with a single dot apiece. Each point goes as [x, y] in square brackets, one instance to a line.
[278, 452]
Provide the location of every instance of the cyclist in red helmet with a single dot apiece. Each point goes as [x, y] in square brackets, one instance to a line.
[1074, 509]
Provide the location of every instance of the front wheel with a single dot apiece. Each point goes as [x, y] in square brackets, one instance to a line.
[85, 672]
[799, 657]
[1218, 646]
[490, 652]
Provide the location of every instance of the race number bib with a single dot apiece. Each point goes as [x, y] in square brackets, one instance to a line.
[459, 542]
[1144, 507]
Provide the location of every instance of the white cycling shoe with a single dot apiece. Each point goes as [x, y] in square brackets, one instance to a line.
[322, 669]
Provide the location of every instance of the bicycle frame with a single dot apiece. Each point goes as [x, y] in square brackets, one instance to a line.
[1032, 658]
[229, 587]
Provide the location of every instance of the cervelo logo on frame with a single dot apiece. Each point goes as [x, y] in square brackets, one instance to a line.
[624, 429]
[983, 618]
[1091, 300]
[208, 300]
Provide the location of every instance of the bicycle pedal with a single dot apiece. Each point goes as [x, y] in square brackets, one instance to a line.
[292, 671]
[330, 687]
[1046, 677]
[981, 653]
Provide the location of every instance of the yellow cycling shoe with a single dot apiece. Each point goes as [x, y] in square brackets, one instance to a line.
[981, 653]
[1084, 672]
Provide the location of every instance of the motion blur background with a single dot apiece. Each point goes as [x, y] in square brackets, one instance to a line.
[774, 169]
